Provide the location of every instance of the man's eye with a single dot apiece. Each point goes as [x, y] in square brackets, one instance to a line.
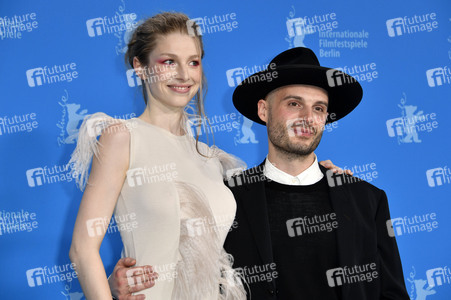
[293, 104]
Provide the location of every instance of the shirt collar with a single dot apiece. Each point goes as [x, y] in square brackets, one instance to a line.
[310, 176]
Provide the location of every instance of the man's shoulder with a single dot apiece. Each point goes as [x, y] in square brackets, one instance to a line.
[246, 178]
[335, 180]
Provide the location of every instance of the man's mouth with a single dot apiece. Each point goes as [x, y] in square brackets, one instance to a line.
[303, 130]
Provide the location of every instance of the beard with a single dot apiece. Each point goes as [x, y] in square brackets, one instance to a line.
[295, 147]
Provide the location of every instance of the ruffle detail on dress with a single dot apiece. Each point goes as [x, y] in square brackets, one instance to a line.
[204, 268]
[88, 145]
[231, 164]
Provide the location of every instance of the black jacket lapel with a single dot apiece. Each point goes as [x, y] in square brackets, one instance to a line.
[339, 198]
[255, 210]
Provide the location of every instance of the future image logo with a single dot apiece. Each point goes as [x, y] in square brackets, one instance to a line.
[297, 26]
[49, 275]
[438, 276]
[96, 226]
[158, 173]
[117, 223]
[438, 176]
[18, 123]
[336, 179]
[132, 78]
[35, 177]
[50, 75]
[253, 274]
[311, 24]
[236, 76]
[111, 25]
[135, 177]
[35, 277]
[20, 221]
[410, 25]
[212, 24]
[237, 176]
[225, 123]
[410, 225]
[361, 73]
[194, 27]
[13, 27]
[35, 77]
[49, 175]
[438, 76]
[296, 30]
[150, 75]
[348, 275]
[310, 225]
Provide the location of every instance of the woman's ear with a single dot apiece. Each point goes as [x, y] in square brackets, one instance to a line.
[139, 70]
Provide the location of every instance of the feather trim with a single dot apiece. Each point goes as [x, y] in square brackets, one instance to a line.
[231, 164]
[88, 145]
[204, 267]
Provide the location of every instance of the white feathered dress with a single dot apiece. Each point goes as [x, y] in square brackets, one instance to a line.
[181, 208]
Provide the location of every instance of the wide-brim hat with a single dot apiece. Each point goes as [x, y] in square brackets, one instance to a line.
[298, 66]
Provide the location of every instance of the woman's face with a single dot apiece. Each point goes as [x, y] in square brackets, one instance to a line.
[174, 72]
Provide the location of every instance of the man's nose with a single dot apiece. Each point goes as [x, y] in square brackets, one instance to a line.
[306, 115]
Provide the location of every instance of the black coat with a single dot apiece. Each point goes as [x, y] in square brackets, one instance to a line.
[362, 212]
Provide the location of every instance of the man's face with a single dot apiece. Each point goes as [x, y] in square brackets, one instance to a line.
[295, 116]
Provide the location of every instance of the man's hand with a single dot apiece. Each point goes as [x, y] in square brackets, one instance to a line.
[329, 165]
[127, 279]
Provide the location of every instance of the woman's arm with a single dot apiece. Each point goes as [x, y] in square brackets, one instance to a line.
[107, 176]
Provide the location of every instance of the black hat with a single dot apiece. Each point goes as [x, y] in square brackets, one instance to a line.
[298, 66]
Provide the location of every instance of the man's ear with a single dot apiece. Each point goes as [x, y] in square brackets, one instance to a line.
[262, 109]
[139, 69]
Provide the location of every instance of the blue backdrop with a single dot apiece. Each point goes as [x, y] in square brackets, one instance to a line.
[63, 60]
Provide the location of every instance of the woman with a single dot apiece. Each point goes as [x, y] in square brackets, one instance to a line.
[151, 170]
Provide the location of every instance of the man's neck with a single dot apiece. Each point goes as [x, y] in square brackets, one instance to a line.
[293, 165]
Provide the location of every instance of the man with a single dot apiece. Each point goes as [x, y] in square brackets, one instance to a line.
[304, 232]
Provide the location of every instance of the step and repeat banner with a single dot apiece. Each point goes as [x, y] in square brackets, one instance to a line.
[64, 60]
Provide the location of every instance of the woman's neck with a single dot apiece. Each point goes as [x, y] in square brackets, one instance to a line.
[169, 120]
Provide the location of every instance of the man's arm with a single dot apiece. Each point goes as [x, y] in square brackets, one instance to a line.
[391, 275]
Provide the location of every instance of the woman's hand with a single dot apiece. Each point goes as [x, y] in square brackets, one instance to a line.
[329, 165]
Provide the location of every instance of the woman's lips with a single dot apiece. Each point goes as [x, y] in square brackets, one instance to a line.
[181, 89]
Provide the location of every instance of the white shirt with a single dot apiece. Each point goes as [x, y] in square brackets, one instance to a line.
[310, 176]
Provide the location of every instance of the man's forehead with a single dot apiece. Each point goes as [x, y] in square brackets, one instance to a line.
[299, 90]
